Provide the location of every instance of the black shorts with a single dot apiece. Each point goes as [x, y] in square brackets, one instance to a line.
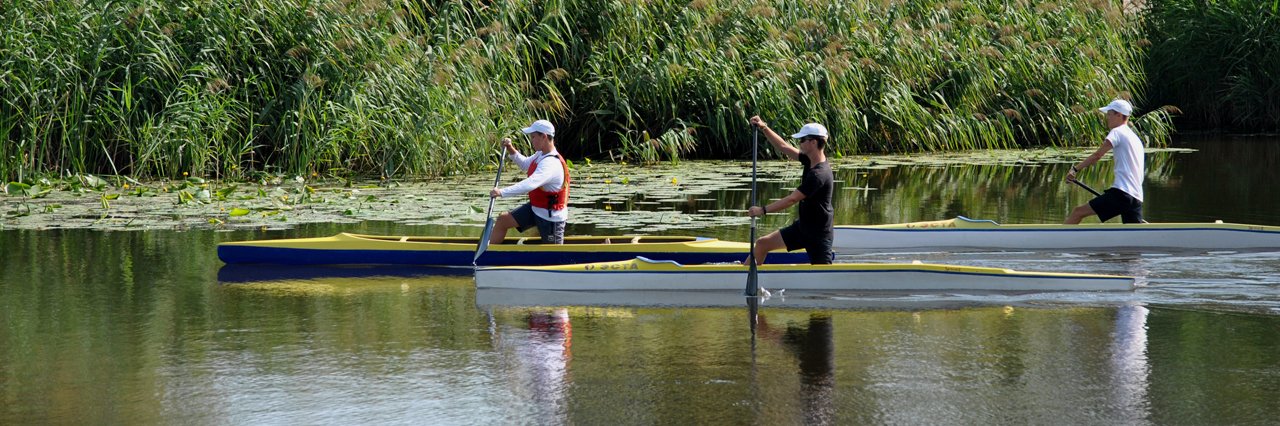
[1114, 202]
[816, 244]
[551, 232]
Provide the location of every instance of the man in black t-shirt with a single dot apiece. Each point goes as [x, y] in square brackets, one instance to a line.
[812, 231]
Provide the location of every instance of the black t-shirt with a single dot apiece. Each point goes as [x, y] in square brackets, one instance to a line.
[816, 183]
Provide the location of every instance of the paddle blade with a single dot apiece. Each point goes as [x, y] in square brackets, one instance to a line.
[753, 276]
[484, 240]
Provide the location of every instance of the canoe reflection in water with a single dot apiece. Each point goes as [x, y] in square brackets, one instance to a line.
[794, 370]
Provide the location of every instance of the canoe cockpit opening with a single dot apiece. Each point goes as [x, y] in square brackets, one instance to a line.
[640, 239]
[962, 218]
[614, 240]
[630, 239]
[449, 240]
[658, 262]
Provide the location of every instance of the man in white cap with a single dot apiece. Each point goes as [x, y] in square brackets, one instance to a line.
[1124, 198]
[547, 184]
[812, 231]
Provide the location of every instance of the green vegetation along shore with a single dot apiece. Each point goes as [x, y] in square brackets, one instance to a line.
[1219, 61]
[371, 88]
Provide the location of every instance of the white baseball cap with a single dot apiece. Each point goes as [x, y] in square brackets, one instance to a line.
[811, 129]
[540, 126]
[1120, 106]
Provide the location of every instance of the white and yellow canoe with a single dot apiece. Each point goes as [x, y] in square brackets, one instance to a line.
[645, 274]
[963, 232]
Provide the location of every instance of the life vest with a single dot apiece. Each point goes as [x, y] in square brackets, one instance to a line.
[553, 201]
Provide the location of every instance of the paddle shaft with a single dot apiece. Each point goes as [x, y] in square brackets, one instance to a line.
[753, 283]
[496, 180]
[1086, 187]
[483, 244]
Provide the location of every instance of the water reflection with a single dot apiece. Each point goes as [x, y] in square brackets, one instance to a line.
[132, 328]
[813, 345]
[1130, 371]
[538, 358]
[753, 322]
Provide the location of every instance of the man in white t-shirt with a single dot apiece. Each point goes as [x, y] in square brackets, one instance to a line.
[1124, 197]
[547, 184]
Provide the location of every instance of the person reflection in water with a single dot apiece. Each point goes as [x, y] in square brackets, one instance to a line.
[1131, 372]
[814, 346]
[543, 361]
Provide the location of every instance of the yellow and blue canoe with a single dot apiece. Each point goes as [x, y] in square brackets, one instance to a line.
[966, 233]
[646, 274]
[356, 249]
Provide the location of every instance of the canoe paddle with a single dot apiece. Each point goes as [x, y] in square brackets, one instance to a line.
[753, 282]
[488, 221]
[1086, 187]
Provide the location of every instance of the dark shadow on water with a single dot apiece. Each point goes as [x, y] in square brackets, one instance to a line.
[244, 273]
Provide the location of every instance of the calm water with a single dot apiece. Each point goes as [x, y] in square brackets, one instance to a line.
[148, 326]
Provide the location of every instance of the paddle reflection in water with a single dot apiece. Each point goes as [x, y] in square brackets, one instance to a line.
[753, 321]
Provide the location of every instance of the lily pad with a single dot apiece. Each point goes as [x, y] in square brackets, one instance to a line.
[660, 198]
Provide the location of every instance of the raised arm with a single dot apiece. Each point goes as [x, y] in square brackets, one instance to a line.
[774, 139]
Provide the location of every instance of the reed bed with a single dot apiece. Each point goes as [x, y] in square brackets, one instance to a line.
[425, 88]
[1219, 61]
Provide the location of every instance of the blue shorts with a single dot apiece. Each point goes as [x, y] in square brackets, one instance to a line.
[551, 232]
[1114, 202]
[818, 246]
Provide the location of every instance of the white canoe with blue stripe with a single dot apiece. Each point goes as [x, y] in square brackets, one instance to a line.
[646, 274]
[963, 232]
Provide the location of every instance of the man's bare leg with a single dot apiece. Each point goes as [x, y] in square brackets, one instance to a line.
[766, 244]
[500, 227]
[1078, 214]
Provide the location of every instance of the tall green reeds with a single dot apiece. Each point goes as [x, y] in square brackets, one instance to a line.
[1219, 61]
[415, 87]
[884, 76]
[219, 88]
